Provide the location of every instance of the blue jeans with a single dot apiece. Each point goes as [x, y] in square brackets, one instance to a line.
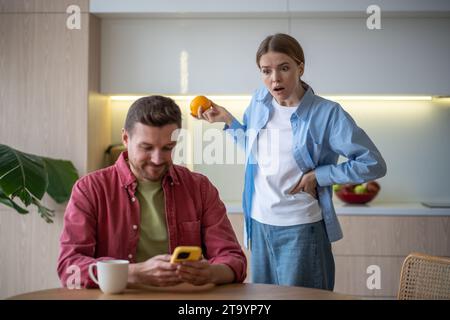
[298, 255]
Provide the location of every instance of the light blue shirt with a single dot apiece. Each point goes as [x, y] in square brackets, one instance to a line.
[322, 130]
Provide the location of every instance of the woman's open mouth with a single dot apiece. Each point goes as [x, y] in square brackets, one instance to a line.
[278, 90]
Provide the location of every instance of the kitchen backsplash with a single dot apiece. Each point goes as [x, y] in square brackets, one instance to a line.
[411, 135]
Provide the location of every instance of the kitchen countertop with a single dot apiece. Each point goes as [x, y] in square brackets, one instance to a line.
[386, 209]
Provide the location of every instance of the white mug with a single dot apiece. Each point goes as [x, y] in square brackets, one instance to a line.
[112, 275]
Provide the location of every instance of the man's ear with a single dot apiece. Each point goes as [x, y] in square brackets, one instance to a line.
[125, 137]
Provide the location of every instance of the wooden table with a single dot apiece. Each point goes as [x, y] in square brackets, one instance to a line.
[241, 291]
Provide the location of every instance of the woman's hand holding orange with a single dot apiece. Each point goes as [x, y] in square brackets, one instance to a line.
[215, 114]
[203, 108]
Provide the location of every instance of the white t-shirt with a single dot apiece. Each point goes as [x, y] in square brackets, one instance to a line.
[278, 173]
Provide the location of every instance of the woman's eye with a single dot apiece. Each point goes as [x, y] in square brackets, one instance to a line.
[265, 71]
[285, 68]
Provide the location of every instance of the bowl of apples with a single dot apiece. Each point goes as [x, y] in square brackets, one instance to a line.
[357, 193]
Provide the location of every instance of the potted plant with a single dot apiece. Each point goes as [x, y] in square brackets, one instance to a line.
[28, 177]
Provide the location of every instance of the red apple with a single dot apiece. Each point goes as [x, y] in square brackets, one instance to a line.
[373, 187]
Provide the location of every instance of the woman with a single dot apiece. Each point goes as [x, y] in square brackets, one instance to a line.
[293, 139]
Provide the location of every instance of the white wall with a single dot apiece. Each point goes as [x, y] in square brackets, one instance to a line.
[413, 138]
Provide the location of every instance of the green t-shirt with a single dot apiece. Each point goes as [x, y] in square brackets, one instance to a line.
[153, 228]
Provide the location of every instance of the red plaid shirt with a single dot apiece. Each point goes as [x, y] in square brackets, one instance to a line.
[102, 220]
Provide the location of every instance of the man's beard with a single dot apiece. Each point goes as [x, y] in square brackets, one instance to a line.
[155, 176]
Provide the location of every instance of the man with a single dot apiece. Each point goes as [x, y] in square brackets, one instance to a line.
[143, 207]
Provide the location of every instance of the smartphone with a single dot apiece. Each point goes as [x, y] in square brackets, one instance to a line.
[185, 253]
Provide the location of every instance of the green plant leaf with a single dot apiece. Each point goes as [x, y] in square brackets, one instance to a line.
[46, 213]
[61, 177]
[23, 195]
[10, 203]
[22, 172]
[28, 177]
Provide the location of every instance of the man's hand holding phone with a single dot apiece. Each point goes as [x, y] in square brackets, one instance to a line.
[191, 267]
[184, 265]
[156, 271]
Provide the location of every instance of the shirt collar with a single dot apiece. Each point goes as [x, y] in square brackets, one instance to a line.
[126, 176]
[306, 101]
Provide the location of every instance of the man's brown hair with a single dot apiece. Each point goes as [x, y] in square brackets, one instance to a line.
[156, 111]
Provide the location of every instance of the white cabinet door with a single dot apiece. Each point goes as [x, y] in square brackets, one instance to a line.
[186, 7]
[145, 55]
[407, 56]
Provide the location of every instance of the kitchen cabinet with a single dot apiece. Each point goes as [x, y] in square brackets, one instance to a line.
[405, 57]
[145, 55]
[408, 56]
[384, 241]
[183, 7]
[285, 7]
[379, 240]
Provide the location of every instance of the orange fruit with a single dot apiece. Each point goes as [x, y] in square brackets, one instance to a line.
[198, 101]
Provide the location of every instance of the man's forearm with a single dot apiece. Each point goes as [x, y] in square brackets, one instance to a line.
[221, 273]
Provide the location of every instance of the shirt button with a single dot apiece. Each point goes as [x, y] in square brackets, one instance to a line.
[130, 256]
[171, 184]
[133, 199]
[134, 227]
